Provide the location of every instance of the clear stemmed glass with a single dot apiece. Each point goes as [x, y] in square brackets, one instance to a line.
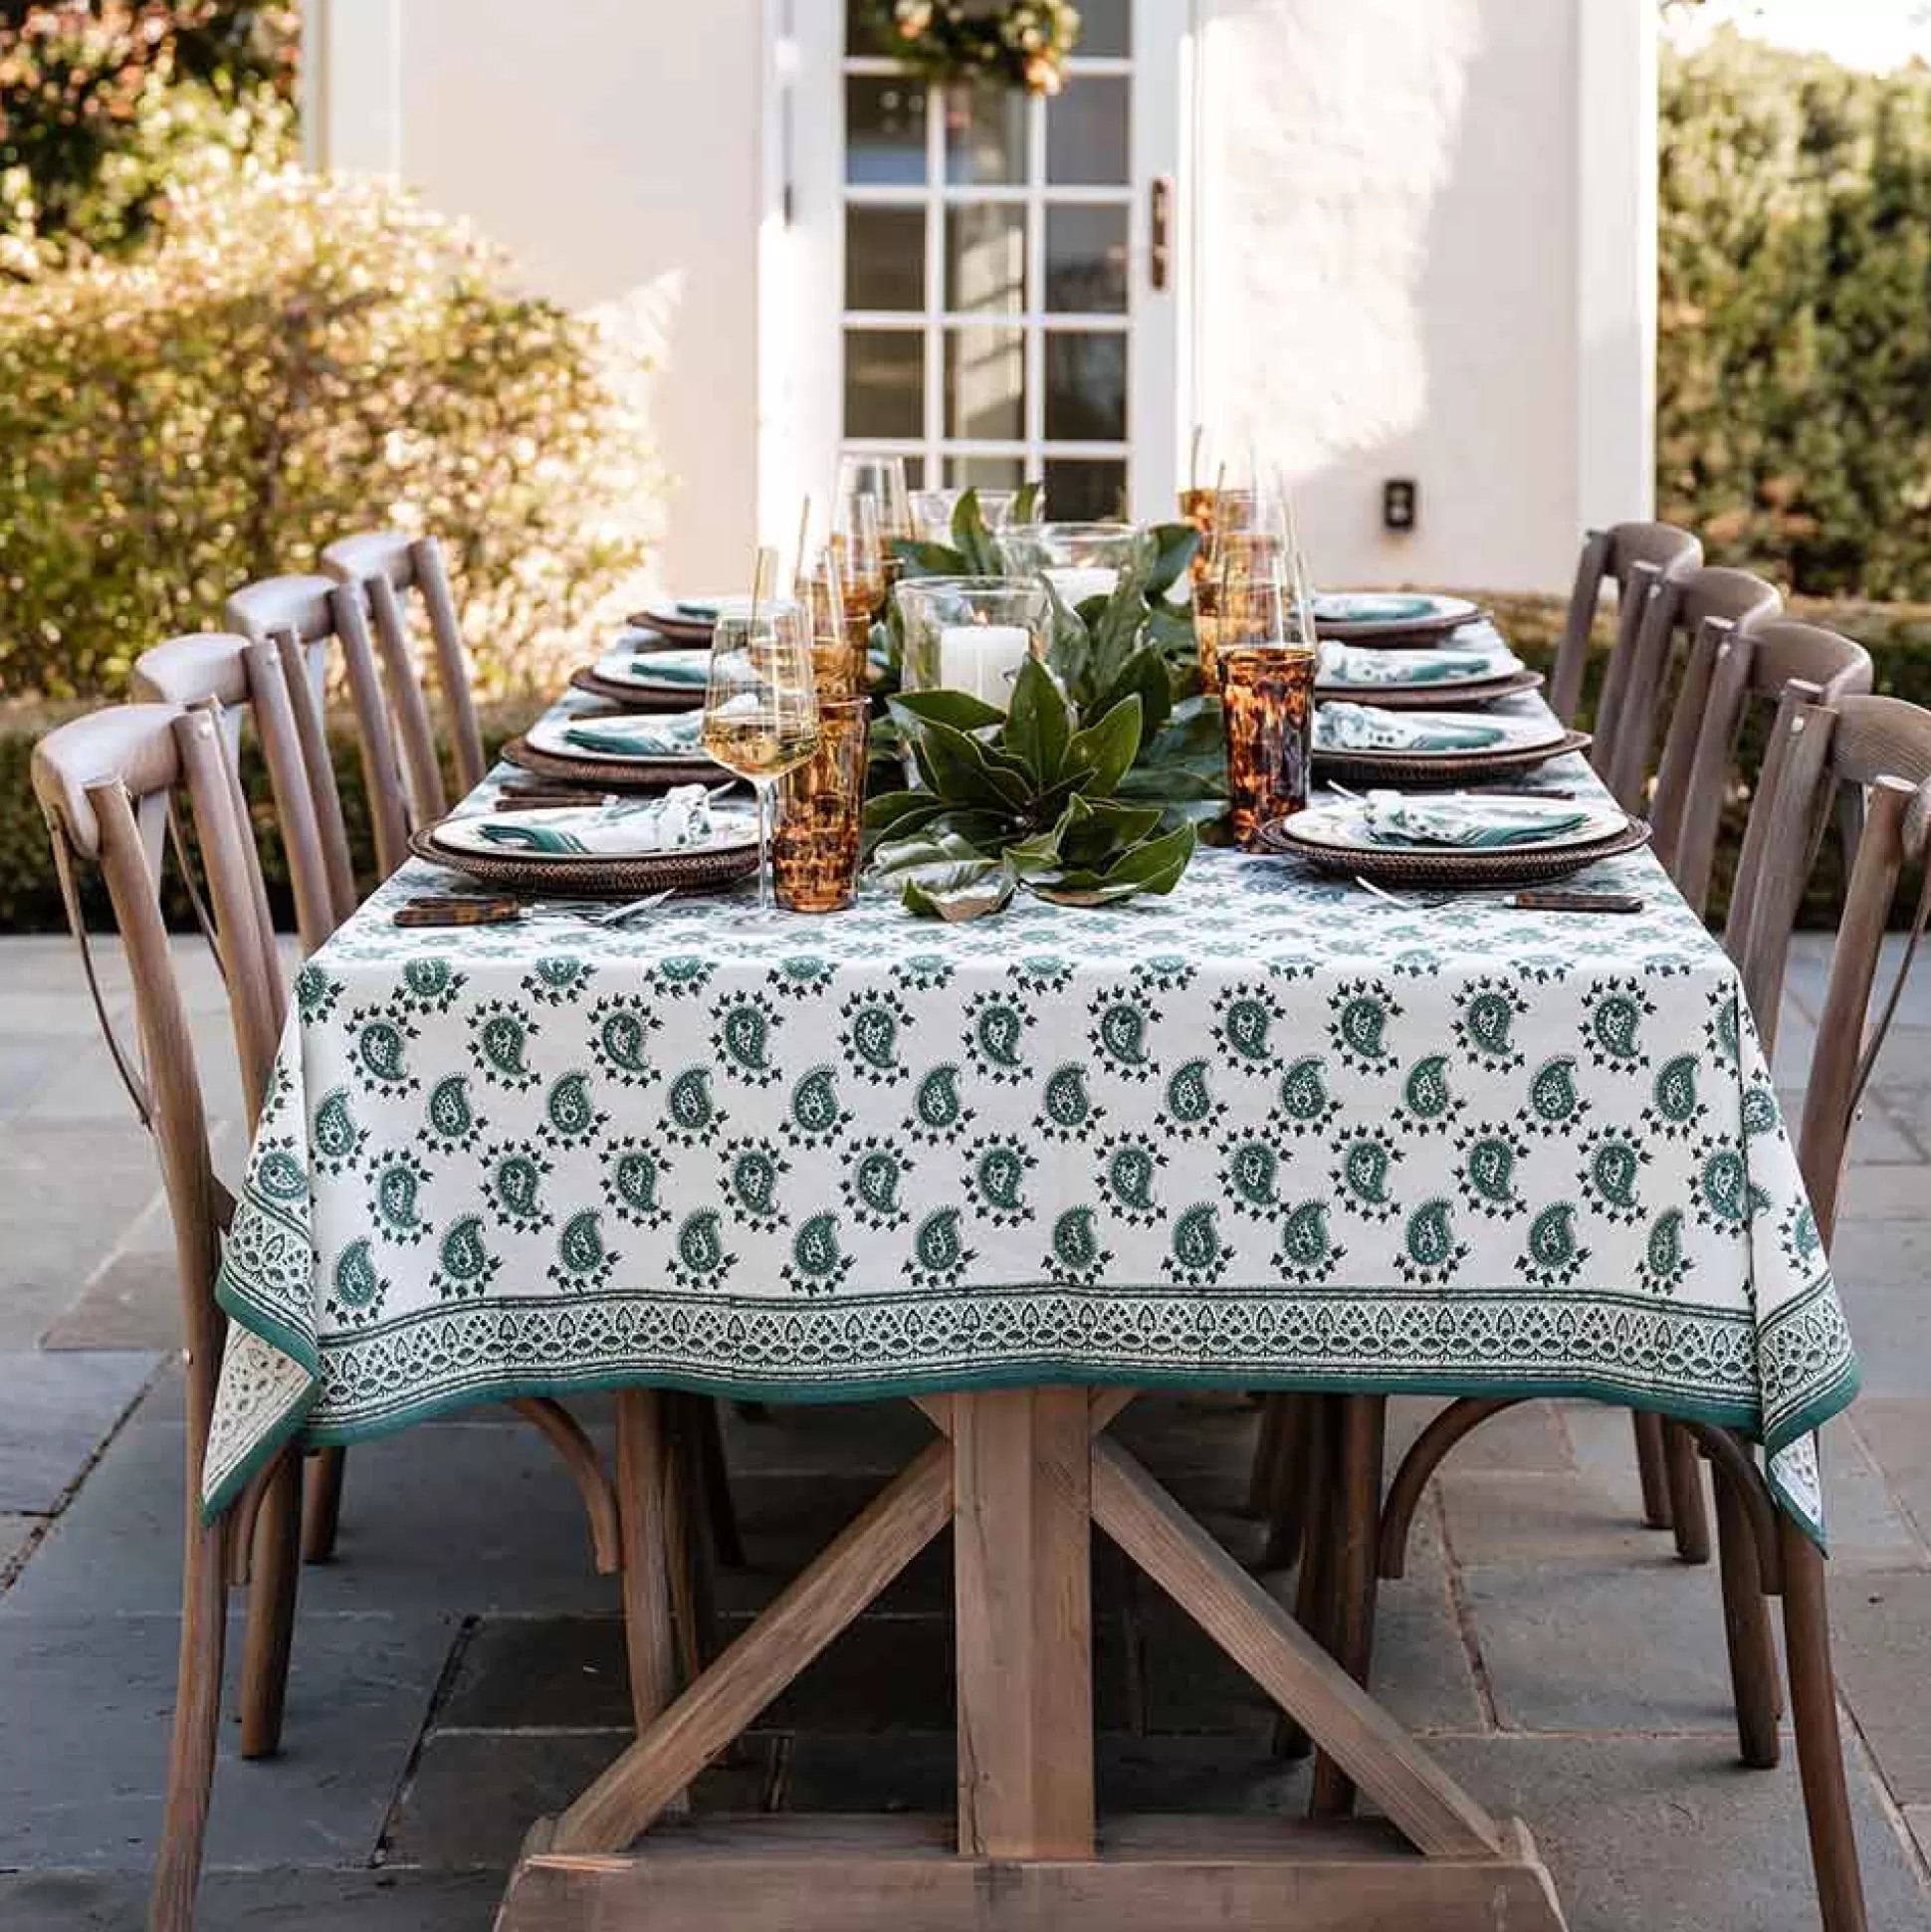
[761, 708]
[882, 478]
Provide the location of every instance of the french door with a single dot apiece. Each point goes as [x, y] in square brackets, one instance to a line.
[998, 275]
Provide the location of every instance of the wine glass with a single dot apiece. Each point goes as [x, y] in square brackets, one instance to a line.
[761, 708]
[882, 478]
[857, 540]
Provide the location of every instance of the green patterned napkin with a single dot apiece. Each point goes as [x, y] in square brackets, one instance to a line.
[1364, 728]
[679, 736]
[686, 668]
[1392, 819]
[673, 823]
[1361, 664]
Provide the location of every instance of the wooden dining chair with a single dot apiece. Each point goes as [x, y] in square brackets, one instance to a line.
[319, 628]
[1641, 679]
[1633, 557]
[108, 784]
[386, 566]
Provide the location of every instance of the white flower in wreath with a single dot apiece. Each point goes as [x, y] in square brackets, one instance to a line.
[914, 17]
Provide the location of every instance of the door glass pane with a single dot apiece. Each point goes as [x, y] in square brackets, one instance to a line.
[987, 472]
[885, 131]
[865, 32]
[1085, 388]
[885, 381]
[1083, 491]
[1106, 26]
[986, 260]
[1086, 260]
[985, 383]
[1087, 132]
[915, 466]
[986, 136]
[885, 258]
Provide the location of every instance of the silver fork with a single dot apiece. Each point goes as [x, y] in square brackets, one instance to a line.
[610, 916]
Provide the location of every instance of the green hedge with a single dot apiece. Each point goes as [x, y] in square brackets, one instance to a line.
[1899, 637]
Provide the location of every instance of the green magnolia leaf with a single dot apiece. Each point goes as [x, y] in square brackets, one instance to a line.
[1025, 505]
[1092, 829]
[970, 889]
[959, 708]
[929, 559]
[900, 812]
[974, 542]
[957, 767]
[1175, 785]
[930, 847]
[1070, 652]
[1153, 866]
[1174, 548]
[1144, 673]
[1104, 752]
[1039, 725]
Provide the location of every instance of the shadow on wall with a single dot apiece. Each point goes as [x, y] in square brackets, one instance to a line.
[1388, 286]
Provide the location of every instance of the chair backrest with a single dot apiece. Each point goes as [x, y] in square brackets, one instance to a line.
[106, 785]
[237, 677]
[1675, 610]
[1659, 548]
[308, 620]
[387, 565]
[1879, 747]
[1728, 671]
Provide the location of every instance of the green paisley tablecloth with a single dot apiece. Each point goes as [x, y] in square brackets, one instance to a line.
[1269, 1132]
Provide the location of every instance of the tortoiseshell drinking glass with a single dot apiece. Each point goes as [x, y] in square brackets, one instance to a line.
[820, 806]
[1267, 699]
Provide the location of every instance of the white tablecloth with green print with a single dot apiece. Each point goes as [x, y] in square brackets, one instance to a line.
[1269, 1132]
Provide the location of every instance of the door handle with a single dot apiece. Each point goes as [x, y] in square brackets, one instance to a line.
[1160, 254]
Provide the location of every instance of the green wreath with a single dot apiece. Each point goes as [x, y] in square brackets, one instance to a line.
[1008, 43]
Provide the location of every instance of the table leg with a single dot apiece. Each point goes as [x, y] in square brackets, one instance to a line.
[1021, 1485]
[642, 1473]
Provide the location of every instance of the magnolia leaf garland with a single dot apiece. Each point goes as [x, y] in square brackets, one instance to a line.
[1027, 797]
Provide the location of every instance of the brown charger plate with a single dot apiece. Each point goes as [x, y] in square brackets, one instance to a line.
[679, 630]
[1526, 865]
[1442, 768]
[591, 878]
[616, 775]
[631, 696]
[1431, 697]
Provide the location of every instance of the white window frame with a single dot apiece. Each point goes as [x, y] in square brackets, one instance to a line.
[801, 302]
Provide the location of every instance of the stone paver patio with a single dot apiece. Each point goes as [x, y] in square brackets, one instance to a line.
[448, 1686]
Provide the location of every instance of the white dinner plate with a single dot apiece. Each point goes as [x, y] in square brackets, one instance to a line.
[1342, 827]
[1518, 734]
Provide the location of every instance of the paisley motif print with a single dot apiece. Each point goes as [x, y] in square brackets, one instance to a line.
[1556, 1103]
[815, 1114]
[1430, 1251]
[996, 1179]
[451, 1125]
[938, 1251]
[923, 972]
[583, 1262]
[700, 1258]
[1666, 1264]
[1245, 1020]
[1251, 1174]
[1122, 1031]
[817, 1265]
[516, 1182]
[430, 985]
[1613, 1029]
[937, 1113]
[335, 1135]
[465, 1265]
[1127, 1173]
[802, 976]
[570, 1116]
[279, 1176]
[692, 1115]
[500, 1038]
[1360, 1012]
[1076, 1259]
[1553, 1255]
[1364, 1175]
[315, 994]
[558, 982]
[1485, 1022]
[995, 1035]
[1041, 973]
[1308, 1252]
[357, 1290]
[874, 1183]
[382, 1054]
[1190, 1107]
[752, 1172]
[1611, 1166]
[633, 1173]
[872, 1026]
[1196, 1256]
[1305, 1105]
[1428, 1098]
[394, 1199]
[1486, 1178]
[683, 976]
[1066, 1108]
[621, 1031]
[742, 1038]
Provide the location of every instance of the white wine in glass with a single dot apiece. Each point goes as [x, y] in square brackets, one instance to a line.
[761, 708]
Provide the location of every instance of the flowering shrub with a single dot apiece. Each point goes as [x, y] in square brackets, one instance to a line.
[296, 359]
[1016, 43]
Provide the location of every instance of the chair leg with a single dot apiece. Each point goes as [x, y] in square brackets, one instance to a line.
[1285, 1499]
[1260, 1476]
[322, 1503]
[1689, 1517]
[1819, 1748]
[1363, 1433]
[1313, 1589]
[725, 1543]
[197, 1721]
[1651, 1468]
[1746, 1630]
[271, 1611]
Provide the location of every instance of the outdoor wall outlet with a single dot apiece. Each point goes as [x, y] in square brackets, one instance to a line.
[1401, 500]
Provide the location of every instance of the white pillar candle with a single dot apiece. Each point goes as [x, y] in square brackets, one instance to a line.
[983, 659]
[1075, 583]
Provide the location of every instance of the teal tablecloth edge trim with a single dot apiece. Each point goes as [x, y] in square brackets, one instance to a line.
[1740, 1416]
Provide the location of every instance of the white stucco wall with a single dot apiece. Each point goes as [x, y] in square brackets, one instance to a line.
[1386, 274]
[618, 162]
[1420, 245]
